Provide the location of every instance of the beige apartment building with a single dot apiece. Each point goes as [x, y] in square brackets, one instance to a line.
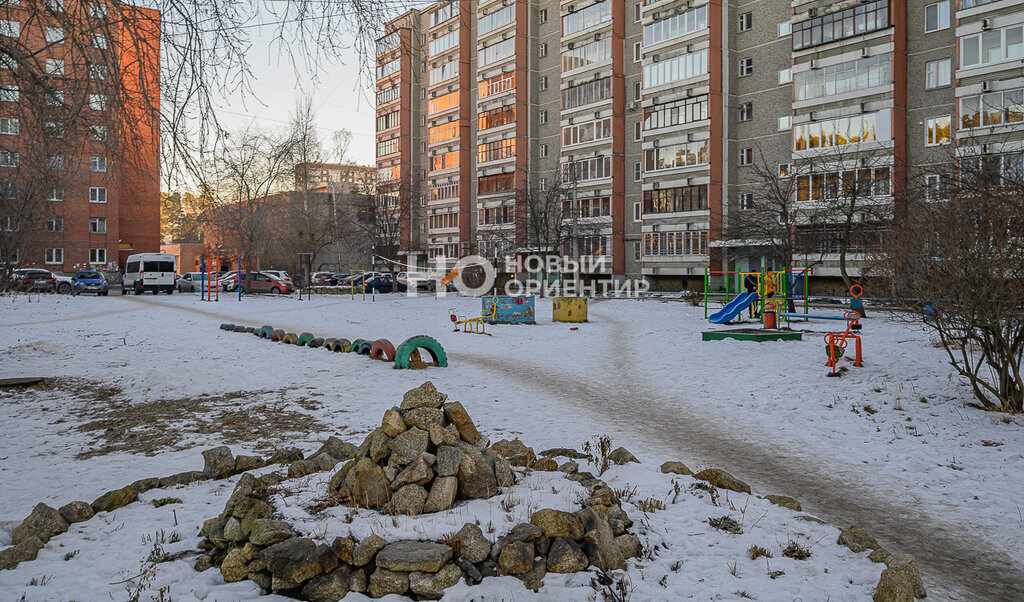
[659, 122]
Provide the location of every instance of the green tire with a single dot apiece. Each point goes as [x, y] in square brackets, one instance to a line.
[404, 352]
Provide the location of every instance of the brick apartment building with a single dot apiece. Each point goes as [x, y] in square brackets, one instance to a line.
[658, 110]
[79, 137]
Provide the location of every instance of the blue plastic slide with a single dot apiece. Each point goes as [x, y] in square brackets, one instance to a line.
[733, 308]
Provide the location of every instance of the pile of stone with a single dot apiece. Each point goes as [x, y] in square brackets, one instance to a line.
[425, 455]
[246, 542]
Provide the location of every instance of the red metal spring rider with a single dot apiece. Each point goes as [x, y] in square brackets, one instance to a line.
[836, 342]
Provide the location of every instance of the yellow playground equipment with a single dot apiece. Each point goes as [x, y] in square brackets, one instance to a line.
[474, 325]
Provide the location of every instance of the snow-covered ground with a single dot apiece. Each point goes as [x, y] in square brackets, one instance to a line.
[144, 383]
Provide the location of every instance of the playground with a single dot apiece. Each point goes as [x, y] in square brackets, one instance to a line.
[854, 450]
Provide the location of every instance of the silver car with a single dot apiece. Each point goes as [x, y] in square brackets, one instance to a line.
[191, 282]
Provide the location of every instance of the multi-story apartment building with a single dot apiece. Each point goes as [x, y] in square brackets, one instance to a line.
[337, 176]
[79, 136]
[666, 124]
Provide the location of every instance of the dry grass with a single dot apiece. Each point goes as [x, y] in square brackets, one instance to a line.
[796, 551]
[650, 505]
[756, 552]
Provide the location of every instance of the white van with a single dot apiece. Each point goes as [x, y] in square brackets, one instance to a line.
[149, 272]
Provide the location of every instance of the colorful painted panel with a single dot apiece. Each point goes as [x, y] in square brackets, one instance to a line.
[509, 310]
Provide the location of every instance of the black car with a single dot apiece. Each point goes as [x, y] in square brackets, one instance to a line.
[35, 281]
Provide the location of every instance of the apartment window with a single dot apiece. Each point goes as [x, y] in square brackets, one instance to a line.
[8, 158]
[445, 42]
[936, 16]
[55, 98]
[54, 35]
[9, 93]
[636, 91]
[97, 10]
[56, 6]
[55, 195]
[676, 25]
[836, 132]
[54, 67]
[785, 169]
[785, 123]
[694, 242]
[496, 84]
[495, 118]
[785, 76]
[495, 151]
[676, 68]
[992, 108]
[423, 147]
[638, 211]
[685, 154]
[746, 156]
[785, 29]
[542, 15]
[746, 66]
[11, 29]
[54, 256]
[637, 52]
[636, 132]
[447, 70]
[443, 102]
[8, 223]
[97, 133]
[677, 112]
[9, 126]
[444, 161]
[543, 151]
[637, 17]
[99, 41]
[543, 184]
[97, 225]
[543, 117]
[55, 223]
[846, 184]
[992, 46]
[938, 130]
[746, 201]
[98, 72]
[586, 55]
[97, 256]
[445, 131]
[55, 162]
[97, 194]
[936, 187]
[586, 18]
[544, 49]
[638, 171]
[495, 53]
[854, 21]
[7, 61]
[53, 129]
[637, 246]
[859, 74]
[746, 21]
[937, 74]
[746, 111]
[423, 119]
[97, 102]
[544, 82]
[423, 93]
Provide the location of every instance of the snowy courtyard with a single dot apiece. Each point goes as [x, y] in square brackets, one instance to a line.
[138, 387]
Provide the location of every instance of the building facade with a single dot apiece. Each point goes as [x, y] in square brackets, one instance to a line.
[668, 124]
[79, 133]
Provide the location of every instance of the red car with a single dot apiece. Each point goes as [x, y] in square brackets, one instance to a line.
[261, 282]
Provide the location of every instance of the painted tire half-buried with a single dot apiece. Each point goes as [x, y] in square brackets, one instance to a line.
[364, 348]
[328, 343]
[341, 345]
[304, 339]
[356, 344]
[315, 343]
[239, 328]
[432, 347]
[290, 339]
[227, 327]
[265, 331]
[383, 350]
[277, 336]
[250, 329]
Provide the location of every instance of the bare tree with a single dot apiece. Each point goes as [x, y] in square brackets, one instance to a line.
[955, 258]
[386, 222]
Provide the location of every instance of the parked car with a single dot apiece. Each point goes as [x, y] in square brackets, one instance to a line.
[382, 284]
[149, 272]
[191, 282]
[262, 282]
[321, 278]
[280, 275]
[337, 278]
[228, 281]
[34, 280]
[421, 280]
[90, 281]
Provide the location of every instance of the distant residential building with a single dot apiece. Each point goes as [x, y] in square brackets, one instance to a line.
[319, 176]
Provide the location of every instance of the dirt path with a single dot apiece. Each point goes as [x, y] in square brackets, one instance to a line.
[955, 564]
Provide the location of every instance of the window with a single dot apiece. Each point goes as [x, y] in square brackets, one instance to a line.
[98, 102]
[10, 259]
[543, 48]
[97, 194]
[443, 102]
[587, 93]
[746, 201]
[637, 17]
[936, 187]
[97, 10]
[937, 74]
[54, 223]
[444, 161]
[439, 221]
[97, 133]
[859, 183]
[8, 223]
[55, 195]
[544, 82]
[587, 55]
[9, 93]
[387, 120]
[8, 158]
[675, 26]
[636, 132]
[746, 111]
[445, 42]
[686, 154]
[785, 169]
[97, 256]
[442, 190]
[55, 98]
[440, 133]
[496, 215]
[785, 75]
[7, 61]
[9, 126]
[937, 130]
[543, 184]
[54, 256]
[936, 16]
[53, 129]
[54, 35]
[55, 162]
[836, 132]
[543, 151]
[99, 41]
[637, 171]
[388, 42]
[637, 246]
[992, 46]
[445, 12]
[694, 242]
[496, 118]
[56, 6]
[494, 85]
[992, 108]
[496, 52]
[845, 77]
[587, 169]
[746, 156]
[445, 71]
[598, 206]
[638, 211]
[785, 29]
[388, 68]
[97, 225]
[11, 29]
[54, 67]
[785, 123]
[384, 147]
[497, 150]
[637, 52]
[542, 15]
[746, 66]
[384, 95]
[676, 68]
[636, 91]
[543, 117]
[590, 16]
[854, 21]
[746, 21]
